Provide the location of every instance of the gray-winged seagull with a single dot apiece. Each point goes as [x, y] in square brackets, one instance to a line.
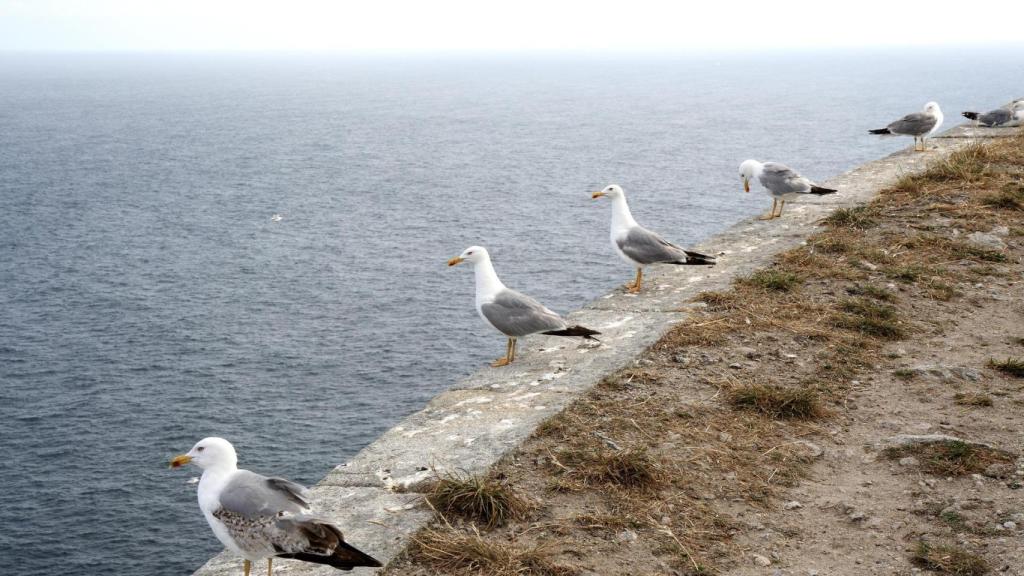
[1012, 115]
[512, 313]
[781, 181]
[920, 125]
[258, 517]
[638, 245]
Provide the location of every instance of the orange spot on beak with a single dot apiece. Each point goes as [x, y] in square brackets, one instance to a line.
[180, 460]
[455, 261]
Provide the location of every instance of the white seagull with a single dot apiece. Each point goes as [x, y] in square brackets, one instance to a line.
[638, 245]
[781, 181]
[920, 125]
[1013, 115]
[258, 517]
[512, 313]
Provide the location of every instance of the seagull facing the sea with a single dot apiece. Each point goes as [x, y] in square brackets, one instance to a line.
[1013, 115]
[258, 517]
[638, 245]
[920, 125]
[781, 181]
[512, 313]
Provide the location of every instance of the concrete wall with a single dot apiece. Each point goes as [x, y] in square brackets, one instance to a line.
[489, 413]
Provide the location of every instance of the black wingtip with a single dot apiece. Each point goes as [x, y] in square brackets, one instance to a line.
[577, 330]
[971, 115]
[818, 190]
[880, 131]
[697, 259]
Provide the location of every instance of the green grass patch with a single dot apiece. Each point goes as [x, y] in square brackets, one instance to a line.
[951, 457]
[858, 217]
[870, 318]
[870, 291]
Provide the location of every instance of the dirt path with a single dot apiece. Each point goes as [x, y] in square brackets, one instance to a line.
[762, 437]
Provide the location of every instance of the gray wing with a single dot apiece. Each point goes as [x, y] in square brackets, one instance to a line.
[780, 179]
[916, 124]
[516, 314]
[252, 495]
[996, 117]
[646, 247]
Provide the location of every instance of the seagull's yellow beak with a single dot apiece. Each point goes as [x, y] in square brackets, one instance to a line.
[455, 261]
[746, 185]
[180, 460]
[596, 195]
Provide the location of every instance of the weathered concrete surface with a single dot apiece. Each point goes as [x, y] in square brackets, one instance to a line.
[486, 415]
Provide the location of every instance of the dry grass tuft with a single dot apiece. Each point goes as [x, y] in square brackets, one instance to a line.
[450, 551]
[776, 401]
[870, 291]
[717, 300]
[628, 468]
[1011, 366]
[949, 559]
[771, 279]
[483, 500]
[858, 217]
[1009, 197]
[972, 399]
[951, 457]
[870, 318]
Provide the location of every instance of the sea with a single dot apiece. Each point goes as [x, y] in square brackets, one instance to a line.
[253, 246]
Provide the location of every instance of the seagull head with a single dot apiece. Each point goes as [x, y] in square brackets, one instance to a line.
[473, 254]
[612, 191]
[932, 108]
[748, 170]
[209, 452]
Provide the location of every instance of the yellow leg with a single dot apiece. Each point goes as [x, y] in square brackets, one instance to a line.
[635, 286]
[771, 213]
[270, 566]
[246, 566]
[508, 356]
[782, 204]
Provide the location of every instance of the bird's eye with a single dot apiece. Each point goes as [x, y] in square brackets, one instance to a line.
[200, 449]
[469, 253]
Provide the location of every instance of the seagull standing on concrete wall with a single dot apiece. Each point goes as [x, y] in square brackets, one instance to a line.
[258, 517]
[639, 246]
[1012, 115]
[920, 125]
[781, 181]
[512, 313]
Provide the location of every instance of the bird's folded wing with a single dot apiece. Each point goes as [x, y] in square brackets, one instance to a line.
[781, 179]
[516, 314]
[250, 495]
[646, 247]
[916, 123]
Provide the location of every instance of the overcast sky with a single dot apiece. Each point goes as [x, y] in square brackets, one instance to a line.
[512, 25]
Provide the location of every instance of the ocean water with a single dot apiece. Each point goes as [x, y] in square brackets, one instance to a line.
[148, 300]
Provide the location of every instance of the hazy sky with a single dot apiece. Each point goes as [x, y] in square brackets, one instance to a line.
[512, 25]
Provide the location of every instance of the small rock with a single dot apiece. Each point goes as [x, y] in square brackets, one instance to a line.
[1010, 525]
[809, 448]
[908, 461]
[749, 352]
[988, 241]
[627, 536]
[761, 560]
[792, 505]
[681, 359]
[735, 365]
[1001, 231]
[724, 436]
[857, 516]
[999, 470]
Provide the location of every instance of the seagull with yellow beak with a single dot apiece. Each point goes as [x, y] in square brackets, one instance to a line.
[258, 517]
[512, 313]
[781, 181]
[639, 246]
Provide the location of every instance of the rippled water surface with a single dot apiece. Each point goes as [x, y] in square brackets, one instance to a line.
[149, 300]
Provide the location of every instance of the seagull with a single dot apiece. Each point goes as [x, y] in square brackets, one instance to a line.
[258, 517]
[512, 313]
[920, 125]
[781, 181]
[638, 245]
[1012, 115]
[275, 218]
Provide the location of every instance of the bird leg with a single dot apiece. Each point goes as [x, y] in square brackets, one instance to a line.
[770, 214]
[246, 566]
[270, 566]
[508, 356]
[514, 341]
[635, 286]
[782, 204]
